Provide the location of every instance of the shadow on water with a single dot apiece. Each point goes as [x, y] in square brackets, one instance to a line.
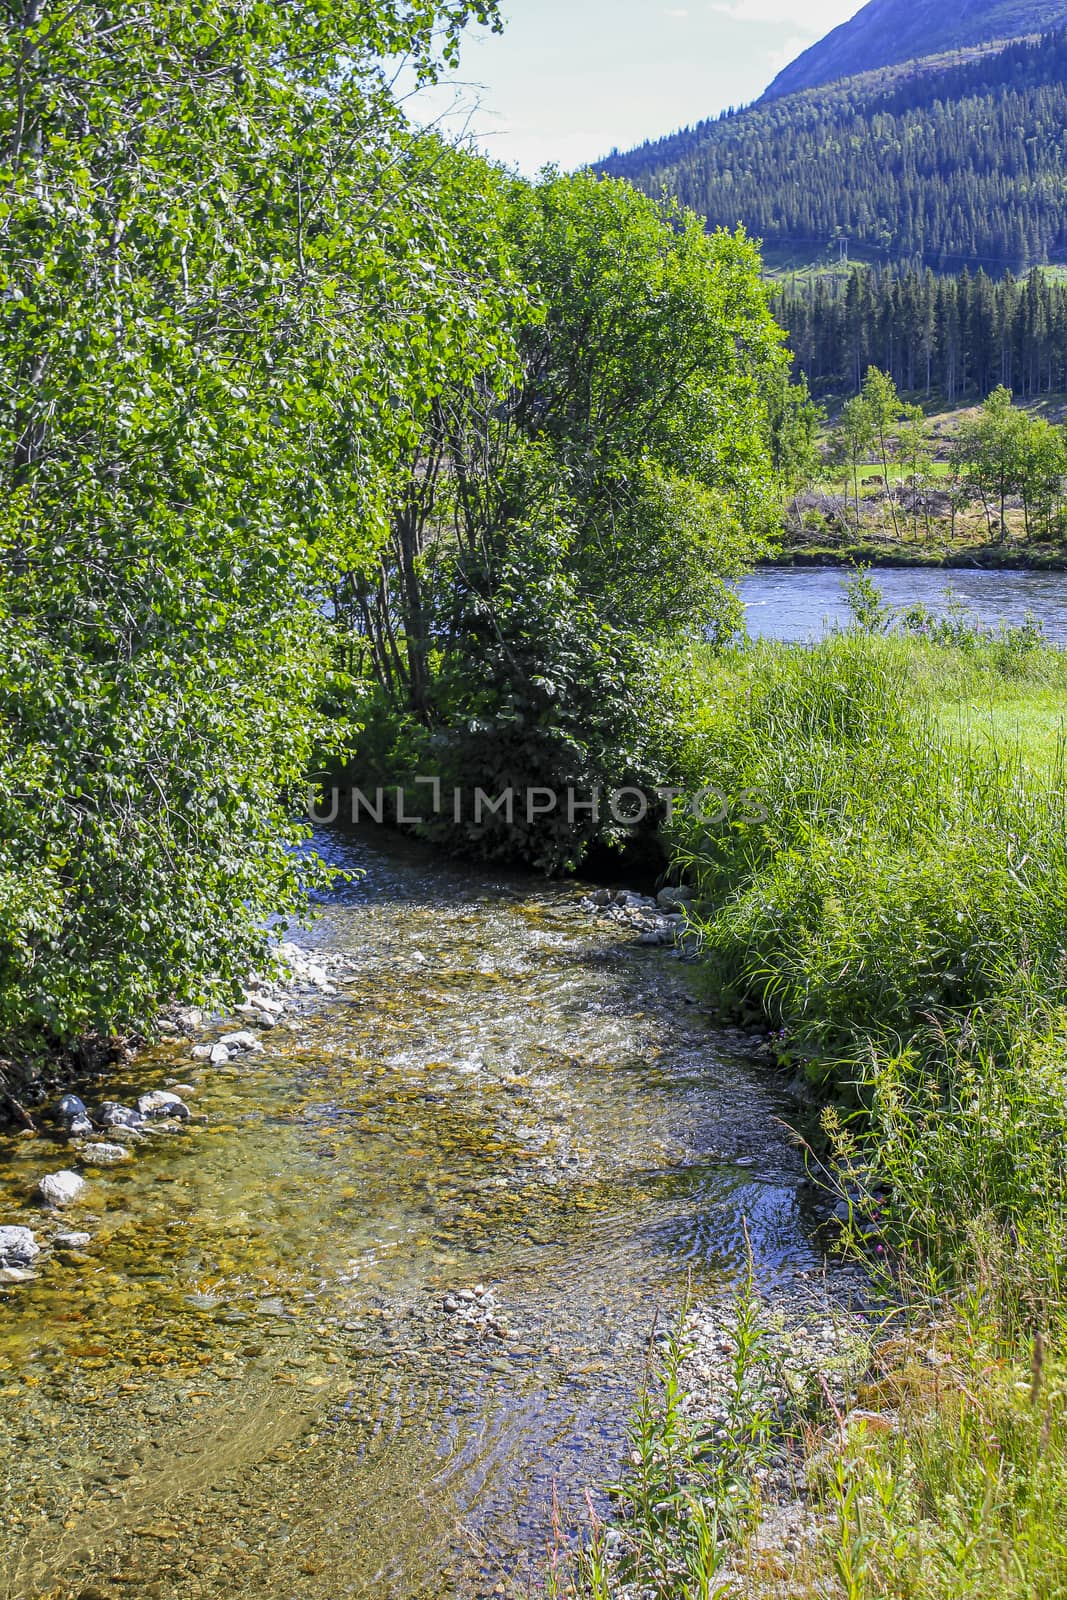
[251, 1381]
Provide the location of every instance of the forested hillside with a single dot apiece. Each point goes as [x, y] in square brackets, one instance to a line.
[950, 167]
[888, 31]
[958, 337]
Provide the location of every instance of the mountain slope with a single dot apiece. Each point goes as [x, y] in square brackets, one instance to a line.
[886, 32]
[938, 164]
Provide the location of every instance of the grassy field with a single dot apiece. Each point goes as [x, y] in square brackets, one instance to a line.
[891, 900]
[1032, 722]
[872, 480]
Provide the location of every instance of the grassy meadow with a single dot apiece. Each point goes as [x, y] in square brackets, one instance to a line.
[889, 896]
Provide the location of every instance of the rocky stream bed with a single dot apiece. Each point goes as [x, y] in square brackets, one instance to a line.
[334, 1296]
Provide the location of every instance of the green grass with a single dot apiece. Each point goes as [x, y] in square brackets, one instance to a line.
[964, 1494]
[889, 894]
[1034, 724]
[897, 473]
[891, 899]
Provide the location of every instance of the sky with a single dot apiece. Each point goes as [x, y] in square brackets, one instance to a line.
[568, 80]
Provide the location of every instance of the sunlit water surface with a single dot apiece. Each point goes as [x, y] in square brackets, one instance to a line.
[802, 603]
[248, 1385]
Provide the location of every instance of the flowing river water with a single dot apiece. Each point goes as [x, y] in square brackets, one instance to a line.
[798, 604]
[248, 1383]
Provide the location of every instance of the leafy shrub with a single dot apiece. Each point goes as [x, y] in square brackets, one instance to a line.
[144, 765]
[555, 534]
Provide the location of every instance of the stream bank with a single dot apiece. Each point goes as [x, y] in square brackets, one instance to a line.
[351, 1331]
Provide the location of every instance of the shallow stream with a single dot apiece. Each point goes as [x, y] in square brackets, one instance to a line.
[249, 1383]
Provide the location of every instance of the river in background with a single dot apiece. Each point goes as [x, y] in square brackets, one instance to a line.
[257, 1379]
[798, 604]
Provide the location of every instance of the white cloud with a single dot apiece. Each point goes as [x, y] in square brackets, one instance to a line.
[816, 17]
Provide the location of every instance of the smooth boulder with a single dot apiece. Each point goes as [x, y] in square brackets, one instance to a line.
[113, 1115]
[104, 1155]
[59, 1189]
[241, 1041]
[72, 1241]
[71, 1115]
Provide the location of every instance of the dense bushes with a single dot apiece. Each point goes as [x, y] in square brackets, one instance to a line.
[560, 525]
[226, 297]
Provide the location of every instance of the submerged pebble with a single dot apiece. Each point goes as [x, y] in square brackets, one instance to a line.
[104, 1155]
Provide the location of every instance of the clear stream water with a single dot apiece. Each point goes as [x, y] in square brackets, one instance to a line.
[248, 1383]
[801, 603]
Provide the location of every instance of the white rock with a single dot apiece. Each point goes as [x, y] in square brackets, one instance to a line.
[18, 1247]
[241, 1041]
[112, 1114]
[72, 1241]
[61, 1188]
[104, 1155]
[161, 1103]
[201, 1052]
[218, 1055]
[253, 1014]
[16, 1275]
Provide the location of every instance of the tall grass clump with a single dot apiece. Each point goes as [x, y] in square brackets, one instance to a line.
[891, 896]
[955, 1486]
[690, 1495]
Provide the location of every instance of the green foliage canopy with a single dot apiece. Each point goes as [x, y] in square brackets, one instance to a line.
[559, 531]
[230, 286]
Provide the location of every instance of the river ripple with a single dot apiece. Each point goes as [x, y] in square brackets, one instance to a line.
[797, 604]
[249, 1384]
